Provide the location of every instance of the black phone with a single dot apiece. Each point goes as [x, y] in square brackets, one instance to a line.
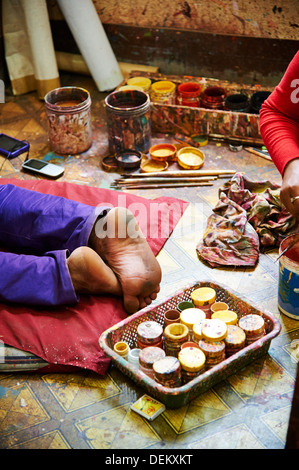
[43, 168]
[11, 147]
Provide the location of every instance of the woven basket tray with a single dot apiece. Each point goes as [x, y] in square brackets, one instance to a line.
[179, 396]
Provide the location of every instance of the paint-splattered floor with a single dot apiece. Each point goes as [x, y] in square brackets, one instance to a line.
[84, 411]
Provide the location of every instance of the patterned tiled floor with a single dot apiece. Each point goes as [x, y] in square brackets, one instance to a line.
[248, 410]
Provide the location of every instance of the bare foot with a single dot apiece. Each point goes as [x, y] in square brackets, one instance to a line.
[118, 239]
[90, 275]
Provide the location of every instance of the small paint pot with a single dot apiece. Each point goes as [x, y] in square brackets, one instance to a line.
[257, 99]
[128, 159]
[109, 163]
[190, 158]
[237, 102]
[152, 166]
[188, 94]
[133, 356]
[184, 304]
[129, 87]
[163, 152]
[171, 316]
[216, 306]
[163, 91]
[189, 344]
[213, 97]
[122, 349]
[142, 82]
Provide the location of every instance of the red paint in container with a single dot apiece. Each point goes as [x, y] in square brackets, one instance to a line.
[213, 97]
[188, 94]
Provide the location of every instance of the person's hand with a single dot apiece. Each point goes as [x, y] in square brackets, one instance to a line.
[289, 194]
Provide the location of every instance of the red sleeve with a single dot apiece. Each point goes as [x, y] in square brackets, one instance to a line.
[279, 118]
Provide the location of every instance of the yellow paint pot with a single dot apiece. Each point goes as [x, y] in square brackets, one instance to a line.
[151, 166]
[142, 82]
[190, 158]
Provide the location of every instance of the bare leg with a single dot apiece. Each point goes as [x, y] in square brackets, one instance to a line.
[126, 251]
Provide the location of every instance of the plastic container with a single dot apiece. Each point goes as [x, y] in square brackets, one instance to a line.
[188, 94]
[171, 316]
[214, 330]
[122, 349]
[163, 92]
[167, 371]
[191, 316]
[148, 357]
[69, 119]
[182, 395]
[229, 317]
[128, 120]
[234, 340]
[213, 97]
[192, 362]
[214, 352]
[174, 336]
[216, 306]
[203, 298]
[253, 326]
[133, 356]
[149, 333]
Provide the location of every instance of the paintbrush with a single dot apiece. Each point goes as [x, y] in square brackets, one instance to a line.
[163, 180]
[288, 248]
[160, 186]
[259, 153]
[183, 173]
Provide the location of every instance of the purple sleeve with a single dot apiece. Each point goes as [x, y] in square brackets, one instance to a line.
[36, 280]
[43, 222]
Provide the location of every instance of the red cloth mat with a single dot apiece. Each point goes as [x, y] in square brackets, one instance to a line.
[67, 337]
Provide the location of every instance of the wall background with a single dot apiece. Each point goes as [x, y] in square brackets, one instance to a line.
[246, 41]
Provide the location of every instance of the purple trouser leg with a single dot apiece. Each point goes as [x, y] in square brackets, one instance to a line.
[50, 227]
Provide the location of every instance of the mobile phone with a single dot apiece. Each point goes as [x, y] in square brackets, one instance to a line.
[11, 147]
[43, 168]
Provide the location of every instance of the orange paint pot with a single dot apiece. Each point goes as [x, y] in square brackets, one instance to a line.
[163, 152]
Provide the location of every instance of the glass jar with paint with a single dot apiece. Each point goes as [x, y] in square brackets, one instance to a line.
[188, 94]
[128, 120]
[213, 97]
[69, 119]
[237, 102]
[163, 92]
